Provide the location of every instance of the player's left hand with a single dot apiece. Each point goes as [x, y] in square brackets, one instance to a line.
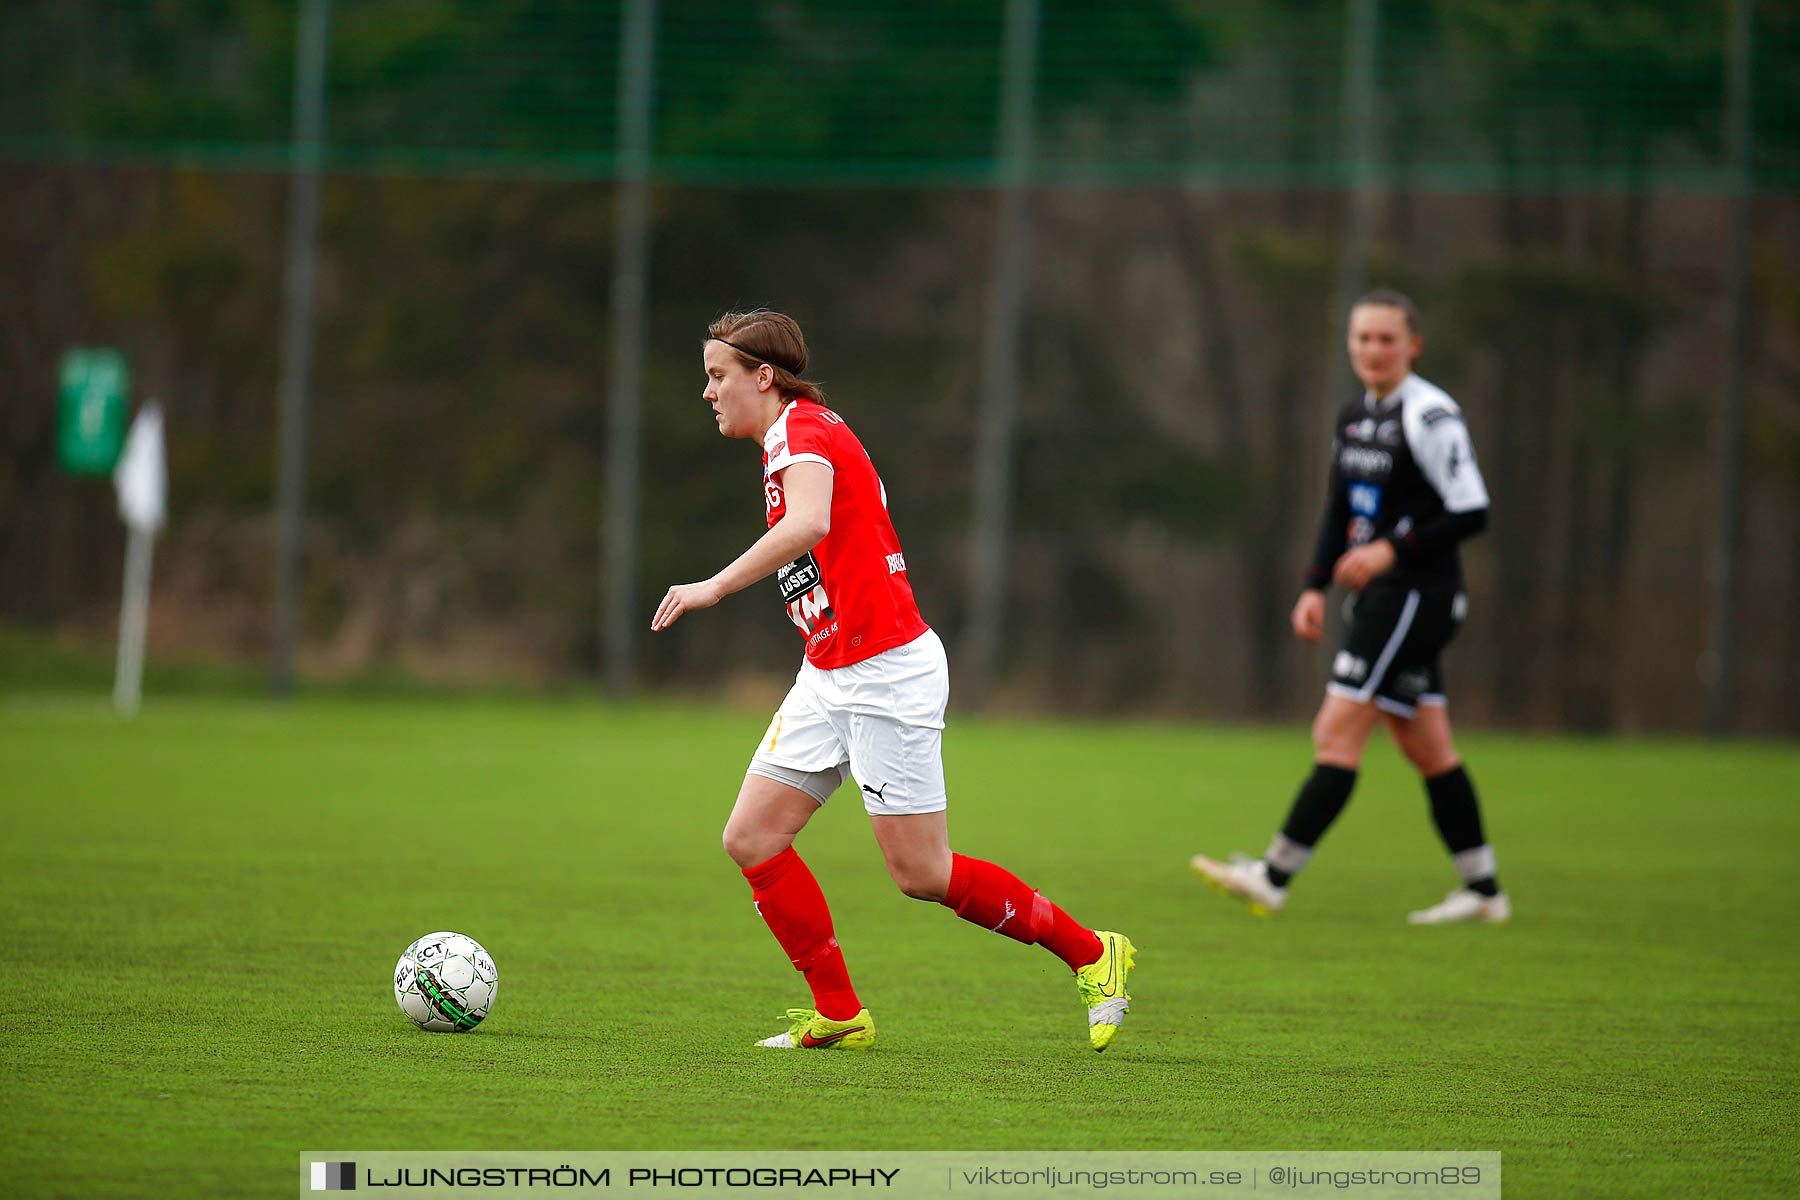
[1356, 567]
[685, 597]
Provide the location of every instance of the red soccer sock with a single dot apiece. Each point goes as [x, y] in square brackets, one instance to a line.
[997, 900]
[789, 900]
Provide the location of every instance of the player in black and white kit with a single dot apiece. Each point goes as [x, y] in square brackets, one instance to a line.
[1405, 491]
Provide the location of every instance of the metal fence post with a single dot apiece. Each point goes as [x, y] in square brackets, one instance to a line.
[1718, 668]
[1362, 179]
[625, 401]
[297, 332]
[990, 539]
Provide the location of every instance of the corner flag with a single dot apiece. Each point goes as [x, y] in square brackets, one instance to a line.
[142, 480]
[142, 474]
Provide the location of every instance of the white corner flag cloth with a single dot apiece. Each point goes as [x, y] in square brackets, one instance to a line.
[142, 476]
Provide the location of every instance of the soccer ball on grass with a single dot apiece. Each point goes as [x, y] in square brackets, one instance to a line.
[445, 983]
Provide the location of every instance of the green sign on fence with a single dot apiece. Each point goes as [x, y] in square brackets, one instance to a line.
[91, 410]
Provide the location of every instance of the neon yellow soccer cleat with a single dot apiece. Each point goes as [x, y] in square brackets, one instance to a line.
[810, 1031]
[1102, 986]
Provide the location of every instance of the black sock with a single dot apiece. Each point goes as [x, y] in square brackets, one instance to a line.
[1322, 797]
[1457, 814]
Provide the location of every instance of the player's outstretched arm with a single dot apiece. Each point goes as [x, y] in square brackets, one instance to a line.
[806, 522]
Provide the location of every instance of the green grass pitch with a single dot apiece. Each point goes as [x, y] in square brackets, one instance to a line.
[202, 910]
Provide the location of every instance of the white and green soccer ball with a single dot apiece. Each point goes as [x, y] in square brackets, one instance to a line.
[446, 983]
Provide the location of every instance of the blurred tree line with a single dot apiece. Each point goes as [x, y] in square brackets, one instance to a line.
[1550, 192]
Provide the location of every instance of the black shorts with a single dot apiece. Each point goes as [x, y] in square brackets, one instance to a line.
[1396, 633]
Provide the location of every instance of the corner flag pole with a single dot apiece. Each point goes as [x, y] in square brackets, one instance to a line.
[142, 481]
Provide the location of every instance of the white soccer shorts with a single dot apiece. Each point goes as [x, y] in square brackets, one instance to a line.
[881, 720]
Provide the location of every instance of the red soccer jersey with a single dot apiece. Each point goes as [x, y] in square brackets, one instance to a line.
[849, 595]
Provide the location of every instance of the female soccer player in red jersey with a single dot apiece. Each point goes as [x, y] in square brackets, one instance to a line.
[869, 699]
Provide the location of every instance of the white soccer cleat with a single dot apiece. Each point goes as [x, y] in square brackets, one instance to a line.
[1464, 905]
[1245, 878]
